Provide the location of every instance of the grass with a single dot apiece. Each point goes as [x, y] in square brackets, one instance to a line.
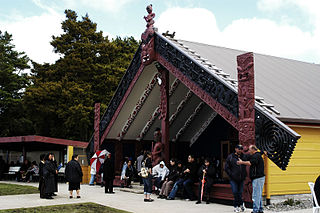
[68, 208]
[14, 189]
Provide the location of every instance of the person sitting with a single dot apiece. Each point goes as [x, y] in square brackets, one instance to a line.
[23, 171]
[206, 173]
[178, 183]
[34, 169]
[159, 172]
[169, 181]
[129, 174]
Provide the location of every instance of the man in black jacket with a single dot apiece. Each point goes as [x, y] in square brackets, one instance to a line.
[207, 174]
[237, 174]
[317, 189]
[191, 177]
[256, 175]
[108, 174]
[74, 175]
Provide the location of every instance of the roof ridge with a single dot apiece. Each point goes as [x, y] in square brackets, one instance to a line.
[218, 71]
[262, 54]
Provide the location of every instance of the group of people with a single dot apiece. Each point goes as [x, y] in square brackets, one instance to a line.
[48, 176]
[168, 180]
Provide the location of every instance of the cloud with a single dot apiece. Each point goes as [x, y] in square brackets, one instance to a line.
[257, 35]
[33, 35]
[104, 5]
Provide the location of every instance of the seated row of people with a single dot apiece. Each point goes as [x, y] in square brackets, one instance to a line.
[169, 180]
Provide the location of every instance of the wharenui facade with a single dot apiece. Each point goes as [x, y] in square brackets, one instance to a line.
[206, 99]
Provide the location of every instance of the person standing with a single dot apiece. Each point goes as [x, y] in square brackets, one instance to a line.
[256, 175]
[48, 174]
[74, 175]
[54, 163]
[139, 161]
[237, 174]
[93, 172]
[206, 172]
[108, 174]
[41, 177]
[2, 167]
[147, 177]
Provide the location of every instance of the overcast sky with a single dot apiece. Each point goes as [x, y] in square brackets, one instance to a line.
[284, 28]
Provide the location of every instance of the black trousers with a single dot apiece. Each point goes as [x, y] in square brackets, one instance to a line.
[42, 188]
[108, 185]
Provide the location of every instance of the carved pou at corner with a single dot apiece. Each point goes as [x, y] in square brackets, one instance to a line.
[246, 99]
[148, 52]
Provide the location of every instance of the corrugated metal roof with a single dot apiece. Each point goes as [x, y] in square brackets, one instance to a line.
[291, 86]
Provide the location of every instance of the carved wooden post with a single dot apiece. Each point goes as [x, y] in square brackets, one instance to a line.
[246, 110]
[96, 126]
[246, 99]
[164, 107]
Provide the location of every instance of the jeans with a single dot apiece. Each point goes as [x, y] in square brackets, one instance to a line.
[187, 185]
[175, 188]
[92, 179]
[147, 182]
[237, 189]
[257, 187]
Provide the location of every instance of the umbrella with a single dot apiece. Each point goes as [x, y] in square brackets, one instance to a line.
[202, 187]
[97, 159]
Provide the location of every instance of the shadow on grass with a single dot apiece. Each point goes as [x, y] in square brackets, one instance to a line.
[74, 208]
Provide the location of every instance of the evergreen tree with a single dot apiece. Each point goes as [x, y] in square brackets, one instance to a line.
[61, 99]
[12, 85]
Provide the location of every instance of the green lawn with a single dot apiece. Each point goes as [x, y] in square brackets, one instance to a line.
[14, 189]
[69, 208]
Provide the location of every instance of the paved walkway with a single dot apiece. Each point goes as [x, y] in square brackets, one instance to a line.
[121, 200]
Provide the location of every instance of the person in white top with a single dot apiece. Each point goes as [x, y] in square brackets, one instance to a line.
[159, 172]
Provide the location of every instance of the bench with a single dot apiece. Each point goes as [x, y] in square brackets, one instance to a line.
[61, 176]
[12, 173]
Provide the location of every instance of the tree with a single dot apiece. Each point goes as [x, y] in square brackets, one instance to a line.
[61, 99]
[12, 85]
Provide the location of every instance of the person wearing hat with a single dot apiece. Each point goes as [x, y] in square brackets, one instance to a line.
[159, 172]
[237, 174]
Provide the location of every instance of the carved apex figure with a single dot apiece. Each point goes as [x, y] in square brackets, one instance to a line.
[157, 151]
[147, 54]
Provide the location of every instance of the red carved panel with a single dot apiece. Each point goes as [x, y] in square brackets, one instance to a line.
[246, 99]
[221, 110]
[96, 126]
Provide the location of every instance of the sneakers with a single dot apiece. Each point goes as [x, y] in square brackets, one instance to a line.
[236, 209]
[243, 208]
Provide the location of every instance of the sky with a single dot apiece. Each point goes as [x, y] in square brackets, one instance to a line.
[283, 28]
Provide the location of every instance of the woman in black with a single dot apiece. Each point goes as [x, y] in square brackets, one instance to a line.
[108, 174]
[147, 181]
[74, 175]
[41, 177]
[48, 174]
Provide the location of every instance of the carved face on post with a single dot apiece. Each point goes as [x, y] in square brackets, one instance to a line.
[149, 8]
[157, 135]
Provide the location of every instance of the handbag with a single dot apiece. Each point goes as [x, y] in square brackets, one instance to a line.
[144, 171]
